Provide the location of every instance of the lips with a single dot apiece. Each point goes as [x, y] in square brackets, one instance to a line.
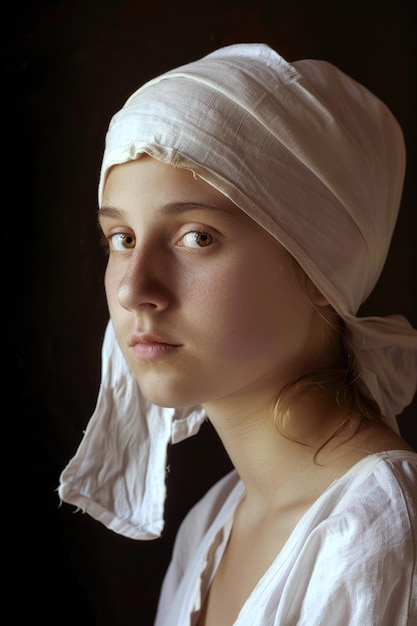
[150, 346]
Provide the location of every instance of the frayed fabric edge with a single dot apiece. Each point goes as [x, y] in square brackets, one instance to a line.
[149, 531]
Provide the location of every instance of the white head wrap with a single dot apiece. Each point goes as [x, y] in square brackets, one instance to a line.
[315, 159]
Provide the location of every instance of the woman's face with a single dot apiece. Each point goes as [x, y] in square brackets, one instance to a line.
[205, 304]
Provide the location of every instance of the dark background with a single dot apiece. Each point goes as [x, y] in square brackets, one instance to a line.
[67, 67]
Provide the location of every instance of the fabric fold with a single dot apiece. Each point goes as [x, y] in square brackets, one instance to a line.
[386, 349]
[118, 472]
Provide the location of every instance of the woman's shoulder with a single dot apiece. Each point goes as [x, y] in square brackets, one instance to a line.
[394, 474]
[377, 498]
[402, 463]
[393, 471]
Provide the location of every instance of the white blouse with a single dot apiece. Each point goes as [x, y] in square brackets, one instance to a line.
[350, 561]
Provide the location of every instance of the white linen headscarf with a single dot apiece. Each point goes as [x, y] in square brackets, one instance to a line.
[315, 159]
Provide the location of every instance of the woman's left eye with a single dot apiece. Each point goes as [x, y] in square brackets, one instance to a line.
[121, 242]
[197, 239]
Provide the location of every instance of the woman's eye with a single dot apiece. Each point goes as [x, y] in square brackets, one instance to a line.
[197, 239]
[121, 242]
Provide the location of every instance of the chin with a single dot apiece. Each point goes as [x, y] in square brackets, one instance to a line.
[170, 398]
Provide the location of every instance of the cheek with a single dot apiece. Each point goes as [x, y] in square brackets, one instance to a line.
[260, 317]
[111, 285]
[250, 327]
[236, 312]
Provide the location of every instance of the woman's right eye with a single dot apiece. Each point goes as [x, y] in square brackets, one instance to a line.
[120, 242]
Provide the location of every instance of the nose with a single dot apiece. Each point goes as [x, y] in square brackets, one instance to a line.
[145, 283]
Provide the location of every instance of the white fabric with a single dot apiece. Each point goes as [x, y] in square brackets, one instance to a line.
[350, 561]
[118, 472]
[315, 159]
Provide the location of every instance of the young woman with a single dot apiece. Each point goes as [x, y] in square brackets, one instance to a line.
[248, 206]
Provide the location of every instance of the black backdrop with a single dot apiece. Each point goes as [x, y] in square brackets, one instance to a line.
[67, 67]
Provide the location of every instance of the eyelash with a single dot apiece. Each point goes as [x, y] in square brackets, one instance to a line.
[104, 243]
[196, 233]
[105, 240]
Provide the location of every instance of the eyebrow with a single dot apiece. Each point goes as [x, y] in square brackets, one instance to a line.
[171, 208]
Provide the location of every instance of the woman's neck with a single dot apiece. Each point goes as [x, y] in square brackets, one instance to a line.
[279, 468]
